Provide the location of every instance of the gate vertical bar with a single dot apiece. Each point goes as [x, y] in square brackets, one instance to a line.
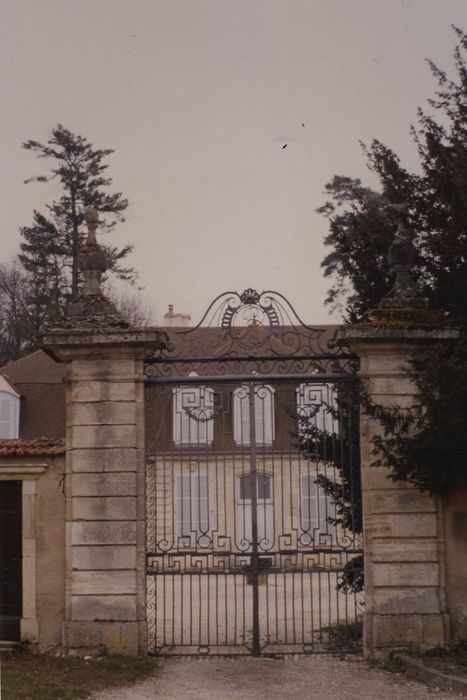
[254, 520]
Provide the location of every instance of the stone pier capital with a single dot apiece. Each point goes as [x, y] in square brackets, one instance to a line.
[365, 335]
[66, 344]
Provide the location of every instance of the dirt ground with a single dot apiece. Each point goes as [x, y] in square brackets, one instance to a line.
[304, 678]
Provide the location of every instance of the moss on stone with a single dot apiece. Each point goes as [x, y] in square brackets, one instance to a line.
[406, 318]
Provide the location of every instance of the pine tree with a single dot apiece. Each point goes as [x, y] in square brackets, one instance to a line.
[35, 289]
[43, 259]
[52, 242]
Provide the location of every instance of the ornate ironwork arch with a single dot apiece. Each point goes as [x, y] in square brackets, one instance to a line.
[250, 333]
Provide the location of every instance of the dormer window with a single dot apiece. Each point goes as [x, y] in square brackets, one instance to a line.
[9, 410]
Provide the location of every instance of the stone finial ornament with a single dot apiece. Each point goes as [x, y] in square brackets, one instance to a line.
[401, 256]
[92, 308]
[91, 217]
[93, 260]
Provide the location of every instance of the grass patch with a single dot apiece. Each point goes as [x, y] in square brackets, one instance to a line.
[456, 652]
[27, 676]
[348, 636]
[451, 660]
[391, 664]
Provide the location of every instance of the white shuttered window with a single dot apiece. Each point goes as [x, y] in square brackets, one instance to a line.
[264, 415]
[9, 415]
[192, 509]
[315, 405]
[316, 510]
[193, 415]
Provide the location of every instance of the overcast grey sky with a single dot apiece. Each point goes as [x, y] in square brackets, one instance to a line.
[197, 97]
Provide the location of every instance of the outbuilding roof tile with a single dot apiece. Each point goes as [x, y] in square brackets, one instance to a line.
[23, 447]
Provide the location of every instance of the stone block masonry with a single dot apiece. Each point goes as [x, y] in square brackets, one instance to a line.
[105, 486]
[405, 588]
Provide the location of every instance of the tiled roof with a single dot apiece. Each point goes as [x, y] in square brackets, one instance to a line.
[24, 447]
[36, 368]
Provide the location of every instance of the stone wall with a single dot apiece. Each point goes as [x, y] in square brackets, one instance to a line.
[84, 525]
[50, 554]
[105, 505]
[105, 487]
[43, 546]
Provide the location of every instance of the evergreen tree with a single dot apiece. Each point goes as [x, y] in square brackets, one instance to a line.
[417, 443]
[361, 231]
[51, 244]
[34, 292]
[362, 226]
[43, 259]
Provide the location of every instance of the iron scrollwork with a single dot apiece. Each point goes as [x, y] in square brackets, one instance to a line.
[248, 333]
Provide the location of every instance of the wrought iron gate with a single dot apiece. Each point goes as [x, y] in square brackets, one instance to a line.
[253, 486]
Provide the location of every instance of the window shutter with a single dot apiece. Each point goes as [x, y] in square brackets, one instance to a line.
[201, 502]
[193, 415]
[264, 415]
[8, 406]
[183, 509]
[309, 503]
[242, 416]
[315, 403]
[192, 507]
[316, 509]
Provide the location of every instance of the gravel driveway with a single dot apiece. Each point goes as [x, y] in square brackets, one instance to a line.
[309, 677]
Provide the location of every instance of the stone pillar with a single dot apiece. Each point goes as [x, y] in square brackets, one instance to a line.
[105, 486]
[405, 602]
[455, 533]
